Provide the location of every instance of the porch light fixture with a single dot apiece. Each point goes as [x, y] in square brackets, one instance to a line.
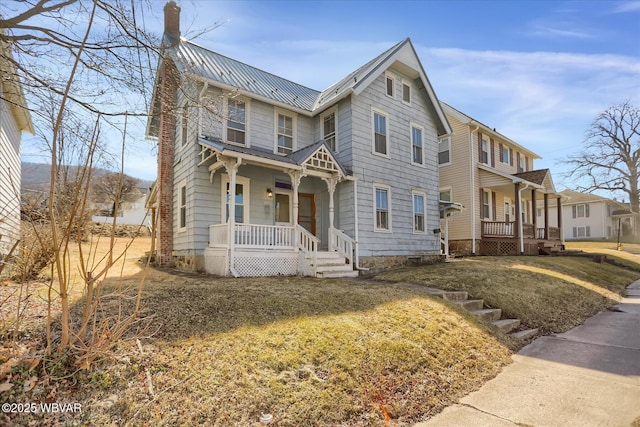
[269, 193]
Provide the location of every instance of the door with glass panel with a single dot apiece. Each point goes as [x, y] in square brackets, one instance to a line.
[307, 212]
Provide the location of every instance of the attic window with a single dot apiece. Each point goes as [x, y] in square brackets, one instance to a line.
[406, 93]
[390, 82]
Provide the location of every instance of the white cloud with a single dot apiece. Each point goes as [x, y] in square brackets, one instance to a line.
[627, 6]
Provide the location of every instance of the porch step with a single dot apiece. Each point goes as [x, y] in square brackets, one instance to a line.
[506, 325]
[323, 268]
[488, 314]
[337, 274]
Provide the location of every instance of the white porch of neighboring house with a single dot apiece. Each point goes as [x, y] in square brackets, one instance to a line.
[287, 241]
[509, 205]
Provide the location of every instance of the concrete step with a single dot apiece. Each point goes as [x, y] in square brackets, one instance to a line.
[506, 325]
[329, 268]
[328, 255]
[337, 274]
[448, 295]
[470, 304]
[488, 314]
[526, 334]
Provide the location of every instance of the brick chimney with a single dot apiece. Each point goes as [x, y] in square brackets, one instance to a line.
[168, 77]
[172, 20]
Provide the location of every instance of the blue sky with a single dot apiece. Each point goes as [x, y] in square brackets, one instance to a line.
[537, 71]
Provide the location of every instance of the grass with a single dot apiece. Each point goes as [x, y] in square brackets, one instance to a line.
[315, 352]
[627, 257]
[553, 294]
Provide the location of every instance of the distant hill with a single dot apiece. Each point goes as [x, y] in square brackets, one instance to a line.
[36, 176]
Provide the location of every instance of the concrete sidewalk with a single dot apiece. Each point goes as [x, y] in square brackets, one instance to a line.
[588, 376]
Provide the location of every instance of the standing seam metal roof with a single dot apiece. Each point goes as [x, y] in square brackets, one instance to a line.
[200, 61]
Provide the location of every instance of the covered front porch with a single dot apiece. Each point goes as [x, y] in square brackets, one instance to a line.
[515, 214]
[284, 213]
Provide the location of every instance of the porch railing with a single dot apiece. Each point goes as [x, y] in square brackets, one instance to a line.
[218, 235]
[264, 236]
[340, 242]
[498, 228]
[554, 234]
[308, 245]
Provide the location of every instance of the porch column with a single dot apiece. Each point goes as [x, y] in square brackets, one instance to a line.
[232, 165]
[560, 219]
[295, 176]
[516, 231]
[534, 214]
[546, 216]
[331, 185]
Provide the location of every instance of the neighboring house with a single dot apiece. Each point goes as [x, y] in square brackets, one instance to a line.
[589, 216]
[494, 179]
[130, 212]
[317, 182]
[14, 119]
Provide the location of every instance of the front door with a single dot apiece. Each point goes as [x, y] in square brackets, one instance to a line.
[307, 212]
[283, 208]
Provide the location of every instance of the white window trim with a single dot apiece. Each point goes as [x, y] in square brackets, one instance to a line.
[287, 193]
[408, 84]
[443, 189]
[507, 201]
[333, 110]
[417, 126]
[184, 125]
[424, 214]
[448, 139]
[393, 85]
[294, 121]
[247, 109]
[389, 220]
[181, 185]
[375, 110]
[223, 193]
[584, 210]
[583, 227]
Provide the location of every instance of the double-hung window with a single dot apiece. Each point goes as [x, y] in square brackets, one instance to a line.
[504, 154]
[580, 211]
[380, 134]
[417, 156]
[382, 206]
[418, 212]
[329, 130]
[444, 151]
[236, 121]
[285, 125]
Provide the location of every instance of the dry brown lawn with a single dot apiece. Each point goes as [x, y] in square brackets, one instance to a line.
[310, 352]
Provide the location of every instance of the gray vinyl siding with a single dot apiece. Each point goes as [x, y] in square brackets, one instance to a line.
[9, 178]
[396, 171]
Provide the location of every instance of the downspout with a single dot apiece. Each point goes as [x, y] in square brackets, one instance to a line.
[520, 221]
[473, 191]
[355, 224]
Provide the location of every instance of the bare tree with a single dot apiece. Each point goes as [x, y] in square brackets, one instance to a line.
[610, 159]
[115, 186]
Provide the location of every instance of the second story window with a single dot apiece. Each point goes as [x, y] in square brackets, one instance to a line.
[416, 145]
[184, 124]
[580, 211]
[505, 155]
[484, 150]
[444, 151]
[237, 122]
[380, 133]
[285, 134]
[329, 130]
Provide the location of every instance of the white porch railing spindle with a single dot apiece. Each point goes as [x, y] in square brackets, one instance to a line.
[341, 243]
